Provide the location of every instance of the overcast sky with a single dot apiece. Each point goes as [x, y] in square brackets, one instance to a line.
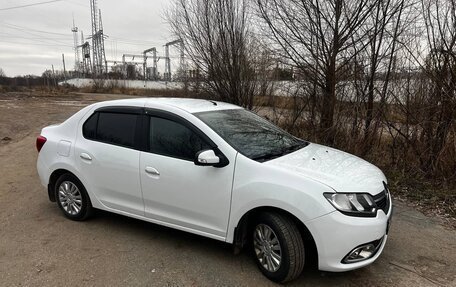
[33, 38]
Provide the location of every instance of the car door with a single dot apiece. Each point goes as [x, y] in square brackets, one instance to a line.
[175, 190]
[107, 153]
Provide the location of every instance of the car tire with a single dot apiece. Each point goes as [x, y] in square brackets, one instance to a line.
[277, 247]
[72, 198]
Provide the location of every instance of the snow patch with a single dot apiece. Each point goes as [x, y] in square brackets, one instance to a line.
[133, 84]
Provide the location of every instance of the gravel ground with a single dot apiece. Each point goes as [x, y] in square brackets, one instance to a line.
[39, 247]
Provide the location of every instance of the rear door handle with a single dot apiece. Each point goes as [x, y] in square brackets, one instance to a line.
[151, 170]
[85, 156]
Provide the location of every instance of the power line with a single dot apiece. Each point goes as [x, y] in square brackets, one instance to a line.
[28, 5]
[133, 42]
[36, 44]
[76, 3]
[22, 28]
[10, 36]
[34, 34]
[49, 41]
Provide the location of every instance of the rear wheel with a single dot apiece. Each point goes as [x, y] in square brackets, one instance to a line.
[72, 198]
[277, 247]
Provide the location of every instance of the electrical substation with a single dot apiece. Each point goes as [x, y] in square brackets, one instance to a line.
[91, 62]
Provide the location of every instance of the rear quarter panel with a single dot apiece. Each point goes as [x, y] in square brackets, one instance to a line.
[58, 151]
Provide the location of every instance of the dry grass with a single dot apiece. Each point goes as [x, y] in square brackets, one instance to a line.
[432, 197]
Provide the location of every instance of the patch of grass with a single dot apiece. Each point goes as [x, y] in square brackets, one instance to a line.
[431, 196]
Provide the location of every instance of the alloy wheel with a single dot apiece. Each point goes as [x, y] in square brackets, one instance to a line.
[267, 247]
[70, 197]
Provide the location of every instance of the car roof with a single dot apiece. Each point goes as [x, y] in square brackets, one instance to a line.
[186, 104]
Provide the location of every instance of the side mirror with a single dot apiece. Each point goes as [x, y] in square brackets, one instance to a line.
[207, 158]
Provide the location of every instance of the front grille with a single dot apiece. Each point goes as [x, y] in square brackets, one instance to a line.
[382, 200]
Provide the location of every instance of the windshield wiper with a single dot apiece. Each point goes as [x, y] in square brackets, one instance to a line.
[268, 156]
[297, 146]
[276, 154]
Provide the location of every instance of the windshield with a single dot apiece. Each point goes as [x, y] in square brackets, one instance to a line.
[250, 134]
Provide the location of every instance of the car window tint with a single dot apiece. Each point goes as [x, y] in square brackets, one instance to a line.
[117, 128]
[89, 130]
[174, 139]
[250, 134]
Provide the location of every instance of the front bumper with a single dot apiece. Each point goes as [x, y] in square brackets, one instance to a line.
[336, 234]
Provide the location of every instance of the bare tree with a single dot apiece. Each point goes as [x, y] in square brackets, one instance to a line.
[440, 19]
[433, 105]
[421, 110]
[2, 73]
[317, 36]
[377, 62]
[218, 39]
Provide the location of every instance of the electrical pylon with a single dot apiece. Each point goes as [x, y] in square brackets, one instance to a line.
[98, 51]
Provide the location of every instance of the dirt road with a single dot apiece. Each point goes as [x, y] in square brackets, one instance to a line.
[39, 247]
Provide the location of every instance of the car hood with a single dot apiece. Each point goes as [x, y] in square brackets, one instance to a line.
[339, 170]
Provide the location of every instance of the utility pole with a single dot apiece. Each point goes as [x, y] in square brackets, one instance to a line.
[76, 47]
[183, 65]
[167, 74]
[53, 75]
[102, 47]
[47, 80]
[64, 69]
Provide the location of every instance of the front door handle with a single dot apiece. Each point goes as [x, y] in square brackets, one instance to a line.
[152, 171]
[85, 156]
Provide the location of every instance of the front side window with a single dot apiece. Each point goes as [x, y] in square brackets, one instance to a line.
[173, 139]
[112, 128]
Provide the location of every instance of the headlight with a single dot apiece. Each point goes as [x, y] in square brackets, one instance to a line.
[353, 204]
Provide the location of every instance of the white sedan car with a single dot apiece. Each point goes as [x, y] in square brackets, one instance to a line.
[220, 171]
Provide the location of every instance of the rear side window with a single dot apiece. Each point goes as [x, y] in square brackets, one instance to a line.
[89, 129]
[173, 139]
[112, 128]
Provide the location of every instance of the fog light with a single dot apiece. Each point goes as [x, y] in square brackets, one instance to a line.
[363, 252]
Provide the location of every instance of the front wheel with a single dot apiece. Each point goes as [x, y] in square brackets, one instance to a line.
[278, 247]
[72, 198]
